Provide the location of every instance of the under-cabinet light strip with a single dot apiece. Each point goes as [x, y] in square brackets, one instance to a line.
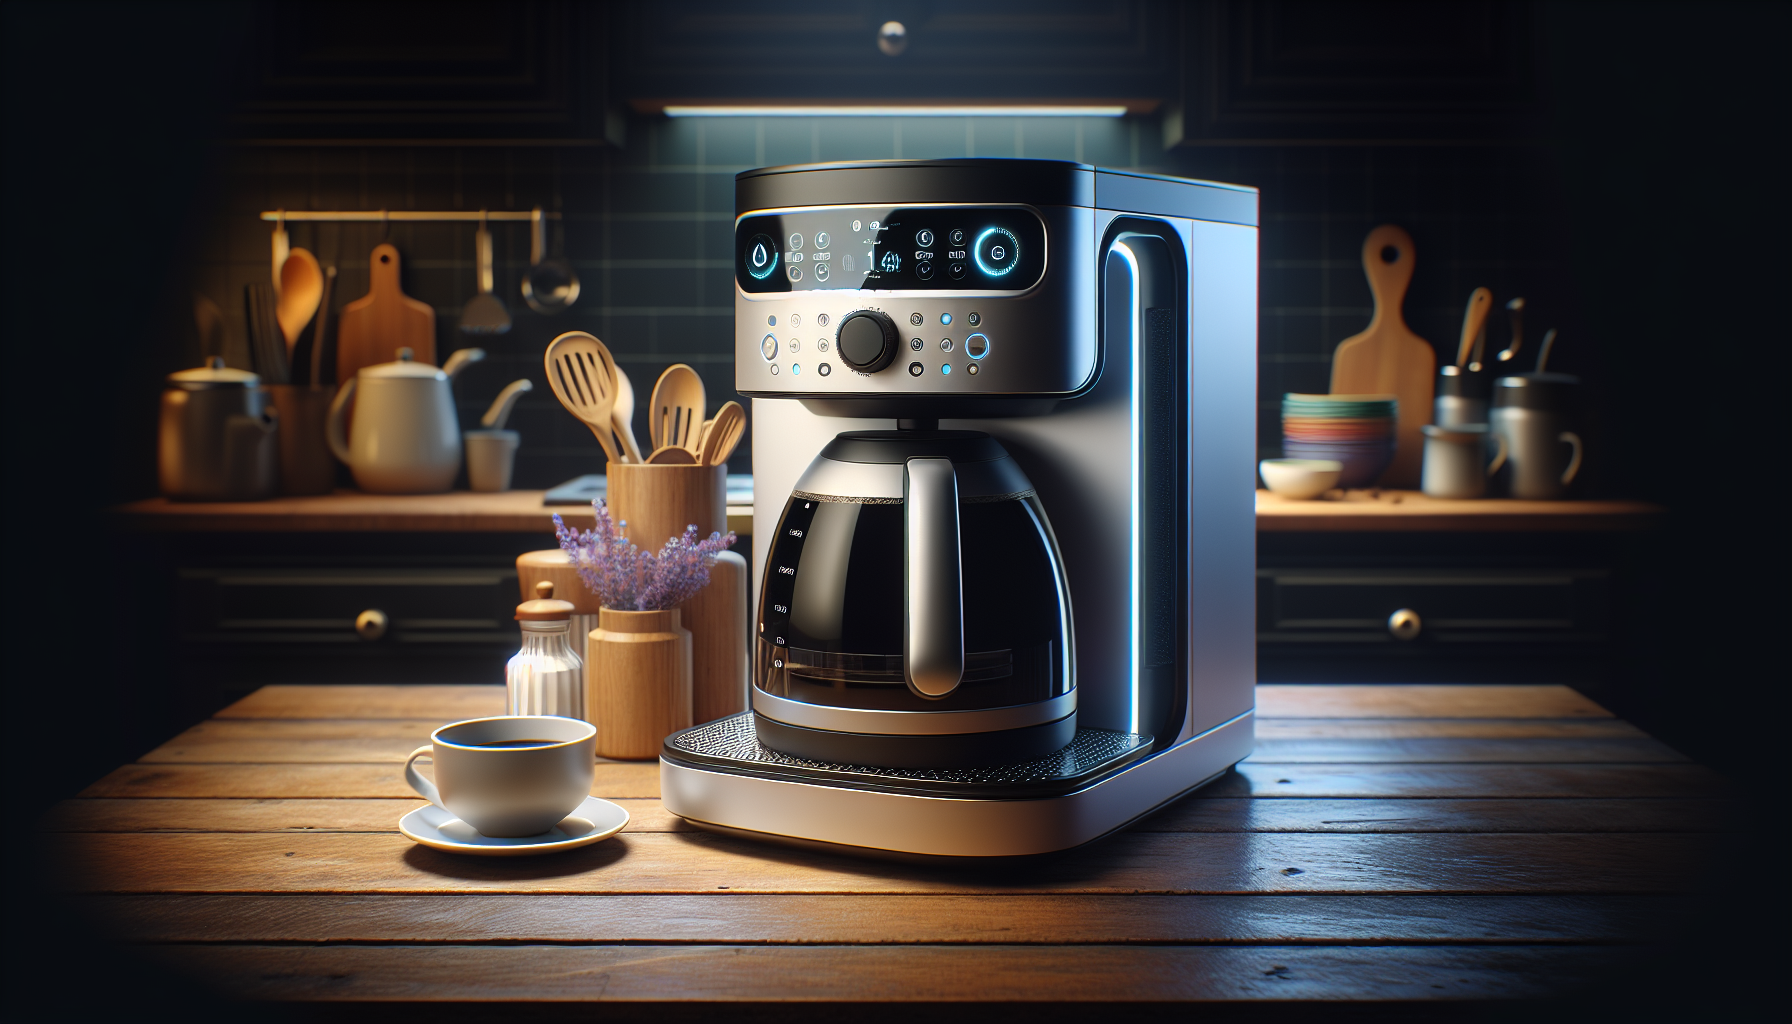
[838, 110]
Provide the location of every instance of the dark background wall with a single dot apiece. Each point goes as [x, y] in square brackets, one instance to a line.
[1620, 166]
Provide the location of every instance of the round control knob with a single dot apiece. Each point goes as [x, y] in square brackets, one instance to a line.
[371, 624]
[1405, 624]
[866, 341]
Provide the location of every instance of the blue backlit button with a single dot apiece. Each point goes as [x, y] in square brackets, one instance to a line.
[924, 238]
[955, 237]
[824, 369]
[955, 270]
[924, 271]
[796, 368]
[946, 319]
[771, 321]
[821, 271]
[976, 346]
[796, 241]
[821, 239]
[794, 273]
[997, 251]
[946, 368]
[768, 347]
[916, 369]
[761, 257]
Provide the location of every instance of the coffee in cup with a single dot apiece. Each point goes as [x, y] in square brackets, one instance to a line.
[511, 776]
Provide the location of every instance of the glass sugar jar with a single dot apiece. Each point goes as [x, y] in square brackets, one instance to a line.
[546, 677]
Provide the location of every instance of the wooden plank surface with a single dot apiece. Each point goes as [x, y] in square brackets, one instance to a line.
[900, 974]
[889, 920]
[702, 862]
[1379, 511]
[1382, 842]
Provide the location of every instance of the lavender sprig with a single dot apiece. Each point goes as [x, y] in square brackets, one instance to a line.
[627, 578]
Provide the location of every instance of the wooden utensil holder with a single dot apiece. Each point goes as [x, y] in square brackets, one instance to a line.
[658, 502]
[306, 465]
[637, 681]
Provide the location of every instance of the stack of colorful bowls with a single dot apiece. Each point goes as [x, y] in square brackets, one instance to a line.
[1356, 430]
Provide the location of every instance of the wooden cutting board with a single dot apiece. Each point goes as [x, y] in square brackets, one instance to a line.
[1388, 358]
[374, 327]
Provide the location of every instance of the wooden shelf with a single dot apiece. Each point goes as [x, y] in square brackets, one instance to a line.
[1411, 511]
[523, 512]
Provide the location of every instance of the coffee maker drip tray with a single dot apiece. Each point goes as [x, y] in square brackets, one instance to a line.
[730, 745]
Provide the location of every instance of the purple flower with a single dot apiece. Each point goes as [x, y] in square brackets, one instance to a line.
[626, 578]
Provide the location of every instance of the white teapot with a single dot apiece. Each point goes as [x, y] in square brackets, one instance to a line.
[405, 437]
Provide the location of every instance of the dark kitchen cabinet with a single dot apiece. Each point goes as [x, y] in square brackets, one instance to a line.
[411, 71]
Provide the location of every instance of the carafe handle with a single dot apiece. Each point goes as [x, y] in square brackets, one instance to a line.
[933, 592]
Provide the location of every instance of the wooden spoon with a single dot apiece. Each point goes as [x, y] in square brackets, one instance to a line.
[672, 455]
[1474, 327]
[677, 409]
[723, 434]
[583, 376]
[622, 417]
[301, 289]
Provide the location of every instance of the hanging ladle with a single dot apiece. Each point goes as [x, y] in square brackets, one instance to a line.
[550, 285]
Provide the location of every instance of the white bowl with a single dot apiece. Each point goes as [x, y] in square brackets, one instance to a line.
[1300, 479]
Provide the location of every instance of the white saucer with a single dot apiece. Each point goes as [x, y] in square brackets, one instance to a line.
[591, 821]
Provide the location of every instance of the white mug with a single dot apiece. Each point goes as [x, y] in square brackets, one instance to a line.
[491, 457]
[1456, 460]
[516, 775]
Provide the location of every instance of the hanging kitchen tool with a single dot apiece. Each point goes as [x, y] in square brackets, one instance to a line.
[319, 335]
[1387, 358]
[484, 314]
[583, 376]
[301, 289]
[1516, 309]
[281, 247]
[374, 327]
[678, 408]
[1474, 330]
[550, 285]
[267, 349]
[622, 416]
[1549, 343]
[723, 434]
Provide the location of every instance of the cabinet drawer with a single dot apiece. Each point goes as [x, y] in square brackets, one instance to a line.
[318, 608]
[1452, 606]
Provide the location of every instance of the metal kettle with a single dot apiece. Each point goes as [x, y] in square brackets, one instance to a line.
[405, 435]
[217, 436]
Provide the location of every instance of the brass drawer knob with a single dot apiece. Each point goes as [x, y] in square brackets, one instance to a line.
[1405, 624]
[371, 624]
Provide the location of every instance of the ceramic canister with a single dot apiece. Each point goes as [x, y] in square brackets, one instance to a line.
[1456, 463]
[1533, 412]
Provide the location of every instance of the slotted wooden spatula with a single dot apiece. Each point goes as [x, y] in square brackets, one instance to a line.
[1388, 358]
[583, 376]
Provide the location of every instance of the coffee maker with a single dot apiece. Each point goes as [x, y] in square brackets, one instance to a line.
[1004, 469]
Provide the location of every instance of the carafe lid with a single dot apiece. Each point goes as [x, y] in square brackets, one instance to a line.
[544, 608]
[214, 374]
[1554, 391]
[404, 367]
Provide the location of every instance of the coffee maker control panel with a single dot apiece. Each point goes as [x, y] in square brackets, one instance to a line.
[941, 301]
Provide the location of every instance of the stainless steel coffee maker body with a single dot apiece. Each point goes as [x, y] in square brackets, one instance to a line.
[1101, 327]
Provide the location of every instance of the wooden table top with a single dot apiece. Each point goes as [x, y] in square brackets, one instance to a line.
[1382, 843]
[523, 512]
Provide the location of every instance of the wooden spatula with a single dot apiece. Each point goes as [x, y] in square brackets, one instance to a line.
[1388, 358]
[678, 408]
[583, 376]
[723, 434]
[1474, 327]
[374, 327]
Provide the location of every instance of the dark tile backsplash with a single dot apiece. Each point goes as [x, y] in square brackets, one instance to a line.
[648, 228]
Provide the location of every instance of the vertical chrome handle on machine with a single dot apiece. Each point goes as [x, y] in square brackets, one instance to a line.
[933, 592]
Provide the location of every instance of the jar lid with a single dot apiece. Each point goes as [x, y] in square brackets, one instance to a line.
[544, 608]
[214, 374]
[406, 366]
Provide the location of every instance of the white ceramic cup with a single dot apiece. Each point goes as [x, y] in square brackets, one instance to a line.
[1300, 479]
[508, 791]
[491, 458]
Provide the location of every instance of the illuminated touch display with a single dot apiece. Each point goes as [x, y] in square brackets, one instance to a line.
[916, 248]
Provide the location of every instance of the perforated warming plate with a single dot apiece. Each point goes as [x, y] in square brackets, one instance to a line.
[730, 744]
